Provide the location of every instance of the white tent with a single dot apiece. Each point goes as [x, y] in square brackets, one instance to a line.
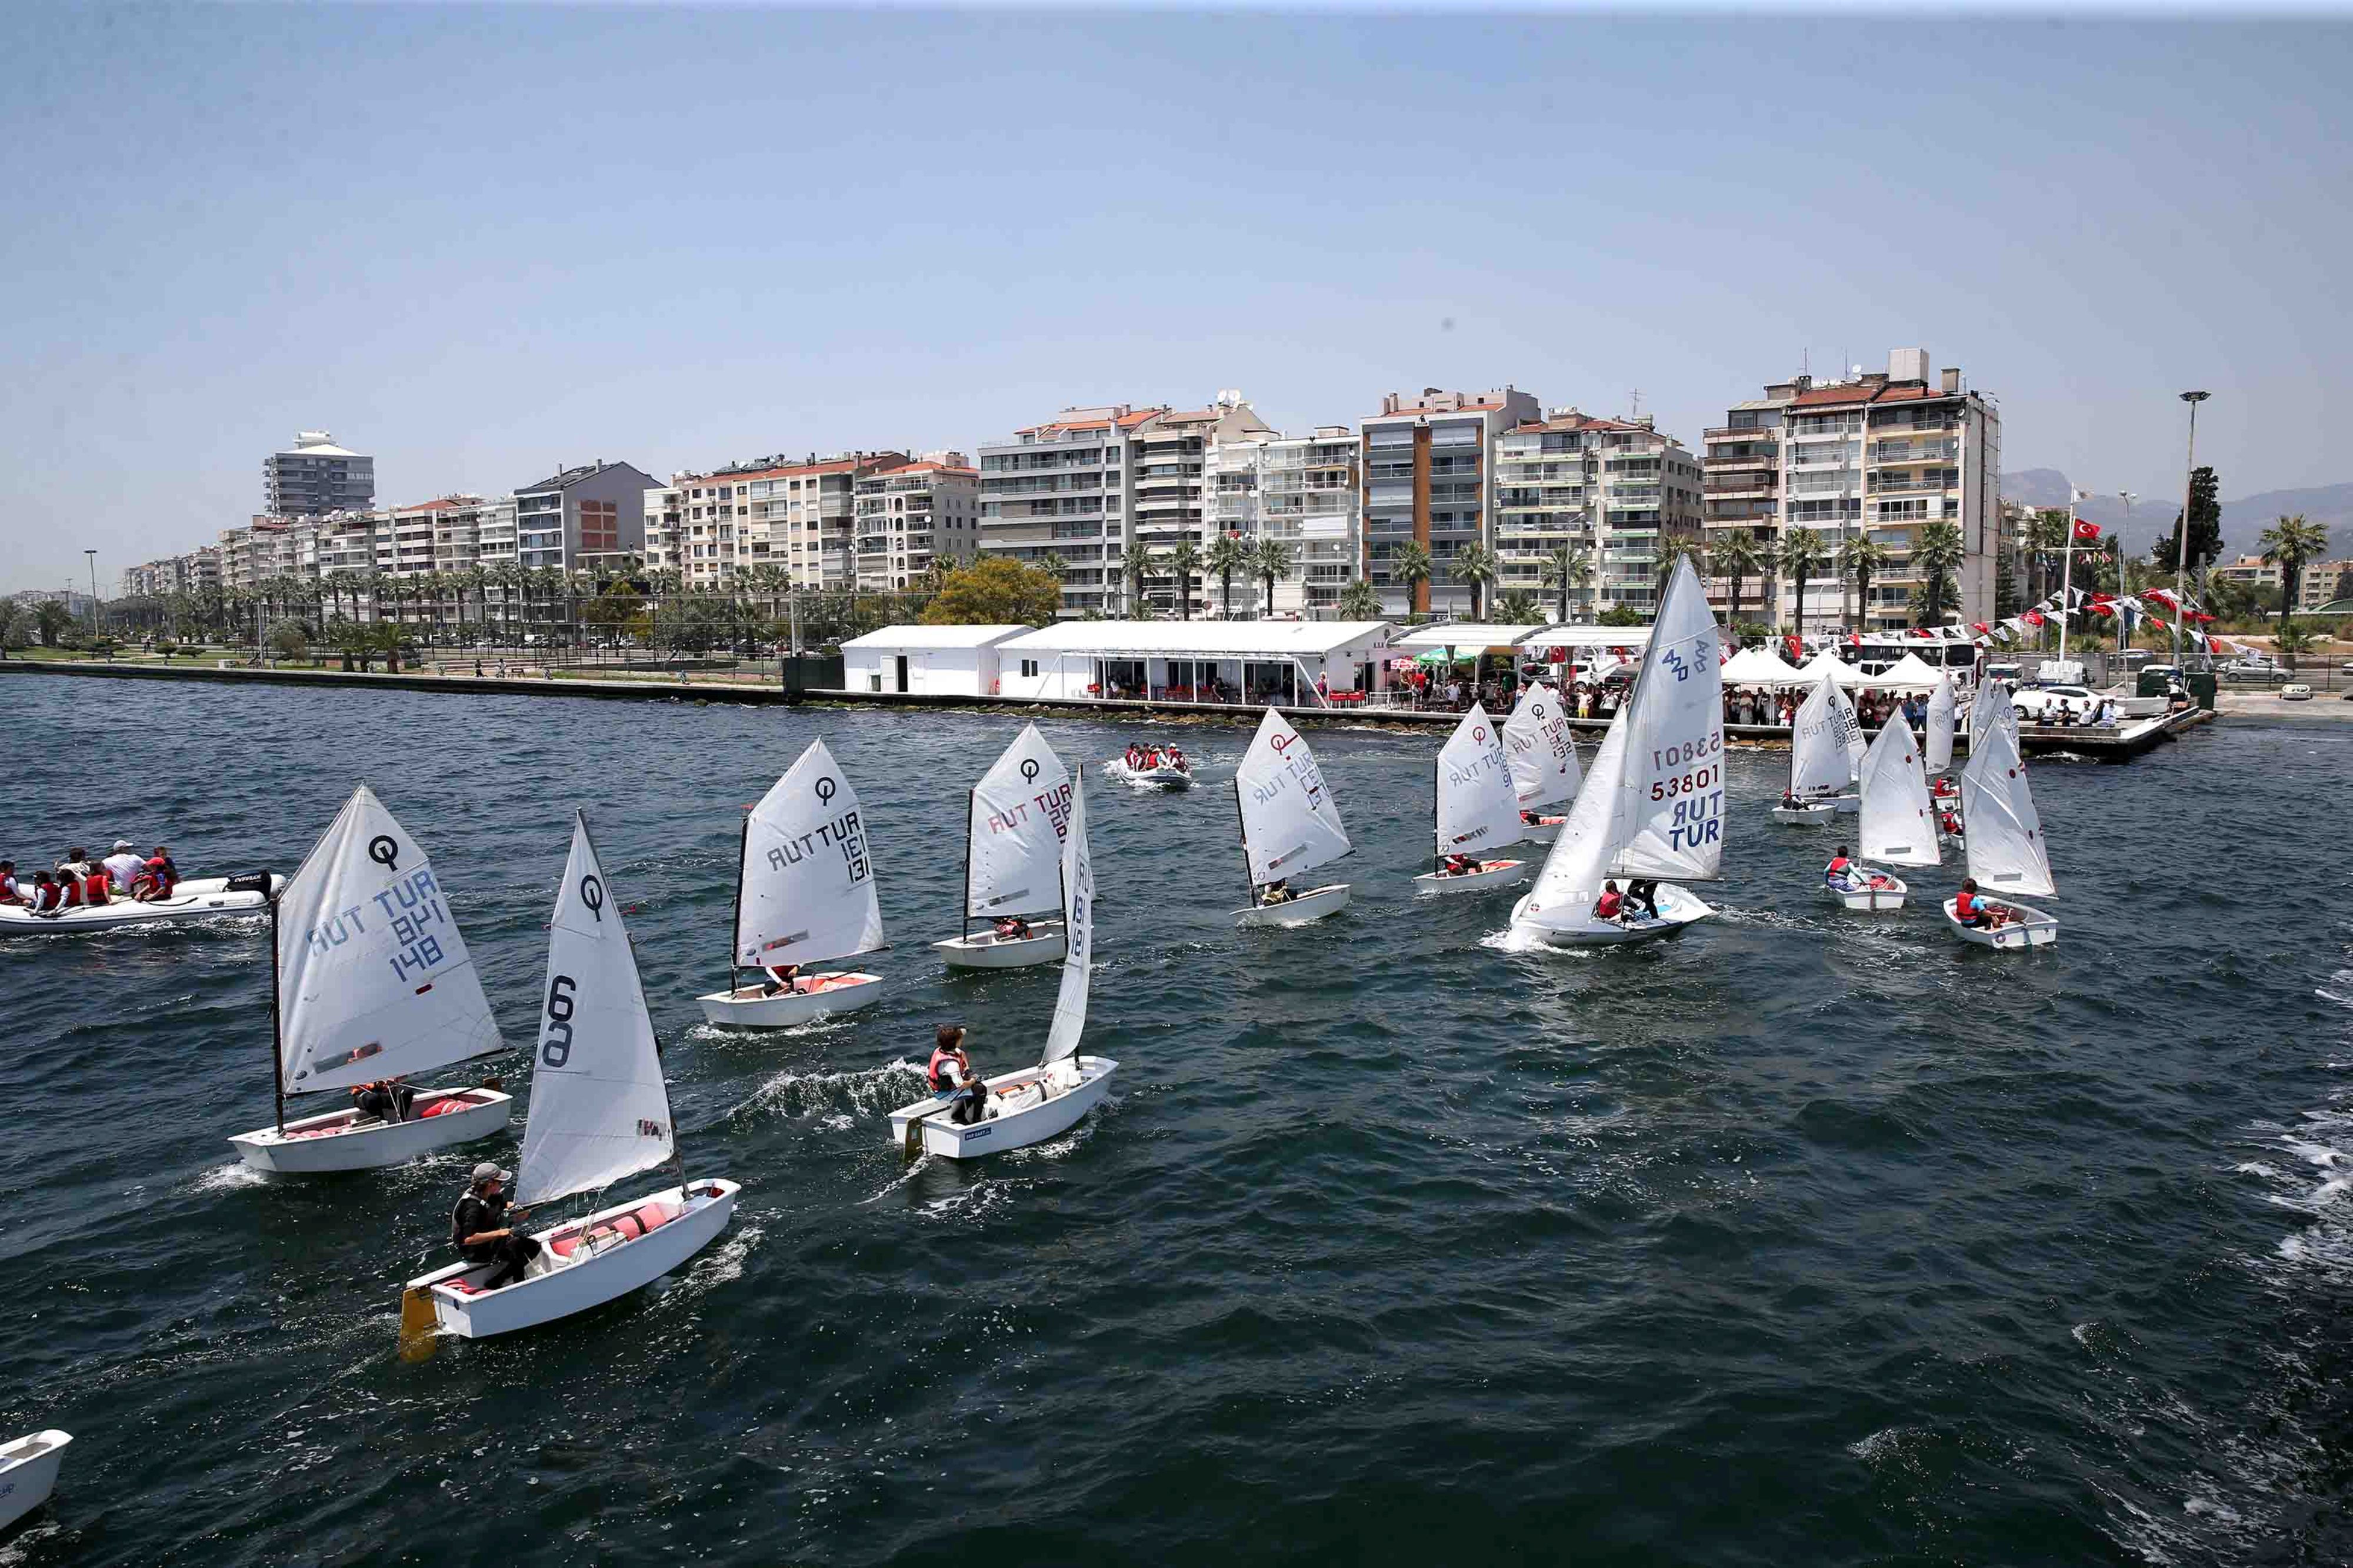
[1755, 666]
[1910, 673]
[1829, 664]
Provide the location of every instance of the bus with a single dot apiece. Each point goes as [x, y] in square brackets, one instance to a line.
[1875, 654]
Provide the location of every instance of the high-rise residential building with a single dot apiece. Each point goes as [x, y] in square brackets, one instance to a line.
[266, 549]
[667, 546]
[316, 477]
[913, 514]
[1304, 490]
[1088, 483]
[1612, 492]
[573, 520]
[1874, 457]
[796, 516]
[1430, 478]
[2323, 582]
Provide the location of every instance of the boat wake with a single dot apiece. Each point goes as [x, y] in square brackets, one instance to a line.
[229, 1178]
[835, 1097]
[1517, 939]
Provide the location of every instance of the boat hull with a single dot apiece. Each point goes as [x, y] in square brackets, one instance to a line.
[1678, 909]
[1543, 830]
[1297, 911]
[1816, 816]
[745, 1008]
[344, 1141]
[2033, 927]
[596, 1272]
[1023, 1119]
[206, 897]
[1149, 778]
[1046, 944]
[1861, 896]
[1494, 874]
[28, 1472]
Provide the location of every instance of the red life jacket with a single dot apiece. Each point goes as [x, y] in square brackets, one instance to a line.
[1965, 905]
[97, 888]
[933, 1074]
[1609, 907]
[1838, 865]
[160, 875]
[48, 896]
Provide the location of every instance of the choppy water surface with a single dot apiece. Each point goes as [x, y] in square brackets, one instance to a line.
[1812, 1238]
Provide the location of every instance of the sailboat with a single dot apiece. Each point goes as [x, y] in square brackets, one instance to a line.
[804, 894]
[1652, 803]
[1944, 712]
[2006, 851]
[599, 1113]
[369, 980]
[1544, 760]
[28, 1472]
[1475, 809]
[1896, 827]
[1012, 857]
[1290, 826]
[1825, 748]
[1034, 1103]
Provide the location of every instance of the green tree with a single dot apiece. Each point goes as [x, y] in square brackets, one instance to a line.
[51, 620]
[1938, 552]
[1230, 554]
[1739, 557]
[1360, 601]
[2006, 600]
[1519, 607]
[1862, 558]
[995, 591]
[2289, 543]
[1800, 554]
[1184, 561]
[1671, 548]
[288, 638]
[1567, 566]
[1137, 565]
[2205, 528]
[1623, 615]
[1271, 564]
[1410, 564]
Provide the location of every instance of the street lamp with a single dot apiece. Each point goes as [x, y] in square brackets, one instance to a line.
[2182, 530]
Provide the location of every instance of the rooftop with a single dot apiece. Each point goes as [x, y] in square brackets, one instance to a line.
[1465, 634]
[911, 636]
[1210, 639]
[571, 476]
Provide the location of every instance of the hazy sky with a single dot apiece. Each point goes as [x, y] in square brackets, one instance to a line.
[479, 244]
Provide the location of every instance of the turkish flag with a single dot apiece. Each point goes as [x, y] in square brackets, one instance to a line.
[2087, 530]
[2032, 618]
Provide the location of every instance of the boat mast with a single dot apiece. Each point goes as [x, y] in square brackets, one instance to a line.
[964, 913]
[277, 1023]
[1437, 783]
[1249, 879]
[735, 916]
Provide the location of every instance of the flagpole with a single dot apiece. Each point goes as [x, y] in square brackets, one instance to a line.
[2067, 577]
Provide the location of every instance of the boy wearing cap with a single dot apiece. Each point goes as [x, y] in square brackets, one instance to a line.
[477, 1226]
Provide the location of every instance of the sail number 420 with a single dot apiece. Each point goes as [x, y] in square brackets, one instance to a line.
[555, 1042]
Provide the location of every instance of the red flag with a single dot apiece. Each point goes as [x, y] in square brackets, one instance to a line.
[2087, 530]
[2032, 618]
[1796, 649]
[1981, 626]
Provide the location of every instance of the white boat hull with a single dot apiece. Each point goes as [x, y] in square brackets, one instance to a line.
[1815, 816]
[815, 996]
[1494, 874]
[591, 1263]
[2031, 927]
[28, 1472]
[1543, 830]
[1162, 777]
[1018, 1118]
[344, 1141]
[1858, 893]
[1299, 910]
[1847, 805]
[204, 898]
[1677, 910]
[987, 950]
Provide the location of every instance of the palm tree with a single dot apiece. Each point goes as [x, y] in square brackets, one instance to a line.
[1674, 547]
[1185, 559]
[2290, 542]
[2045, 537]
[1137, 563]
[1738, 557]
[1861, 558]
[1519, 607]
[1270, 562]
[1475, 567]
[1937, 552]
[1410, 564]
[1229, 553]
[1802, 551]
[1360, 601]
[1567, 565]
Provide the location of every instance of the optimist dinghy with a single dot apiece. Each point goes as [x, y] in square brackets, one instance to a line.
[1475, 810]
[1825, 749]
[1012, 859]
[2004, 846]
[1035, 1103]
[28, 1472]
[1943, 708]
[202, 899]
[804, 894]
[1897, 827]
[1544, 761]
[1652, 805]
[599, 1112]
[371, 978]
[1290, 826]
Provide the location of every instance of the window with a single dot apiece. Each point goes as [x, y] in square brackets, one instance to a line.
[1029, 669]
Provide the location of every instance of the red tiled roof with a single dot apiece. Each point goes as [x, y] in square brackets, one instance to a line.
[1866, 392]
[925, 468]
[1066, 424]
[440, 504]
[1585, 422]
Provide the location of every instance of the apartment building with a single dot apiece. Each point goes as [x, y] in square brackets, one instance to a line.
[2324, 583]
[1305, 490]
[1429, 476]
[909, 516]
[1873, 458]
[2252, 572]
[316, 477]
[571, 520]
[265, 549]
[1612, 491]
[799, 516]
[1088, 483]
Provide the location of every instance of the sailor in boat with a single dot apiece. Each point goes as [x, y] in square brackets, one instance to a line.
[1177, 758]
[949, 1065]
[1461, 865]
[97, 888]
[479, 1228]
[1949, 822]
[9, 892]
[1610, 905]
[1275, 892]
[781, 977]
[48, 899]
[1135, 757]
[387, 1100]
[1839, 871]
[1976, 911]
[1013, 928]
[123, 866]
[1642, 899]
[971, 1107]
[155, 882]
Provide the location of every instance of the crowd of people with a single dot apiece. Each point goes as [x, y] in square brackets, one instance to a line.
[81, 881]
[1759, 705]
[1146, 757]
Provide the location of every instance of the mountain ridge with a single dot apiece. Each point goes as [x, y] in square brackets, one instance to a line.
[2243, 519]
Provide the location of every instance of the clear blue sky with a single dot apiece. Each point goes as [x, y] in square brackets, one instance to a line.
[480, 243]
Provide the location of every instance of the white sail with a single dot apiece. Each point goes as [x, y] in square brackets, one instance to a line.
[1572, 876]
[373, 980]
[1826, 744]
[1015, 840]
[2005, 846]
[598, 1109]
[1477, 809]
[1895, 826]
[1542, 748]
[1943, 705]
[1990, 710]
[1671, 816]
[1290, 824]
[1077, 879]
[808, 880]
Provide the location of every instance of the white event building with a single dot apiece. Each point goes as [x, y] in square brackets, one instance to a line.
[1203, 661]
[939, 661]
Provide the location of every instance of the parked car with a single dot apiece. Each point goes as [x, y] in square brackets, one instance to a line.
[2034, 702]
[2295, 691]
